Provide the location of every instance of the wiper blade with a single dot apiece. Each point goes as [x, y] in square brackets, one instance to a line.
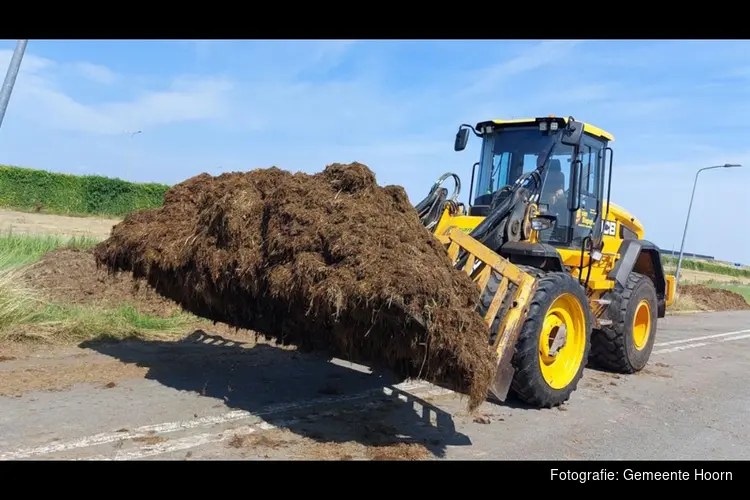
[547, 153]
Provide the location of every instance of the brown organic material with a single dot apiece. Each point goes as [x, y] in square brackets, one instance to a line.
[330, 261]
[714, 299]
[71, 276]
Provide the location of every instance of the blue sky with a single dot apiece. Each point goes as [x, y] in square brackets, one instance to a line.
[215, 106]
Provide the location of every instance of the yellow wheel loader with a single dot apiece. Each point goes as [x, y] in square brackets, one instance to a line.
[566, 277]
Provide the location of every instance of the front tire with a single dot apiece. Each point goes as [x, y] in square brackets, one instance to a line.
[625, 346]
[545, 378]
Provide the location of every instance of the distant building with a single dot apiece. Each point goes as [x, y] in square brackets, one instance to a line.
[686, 255]
[675, 254]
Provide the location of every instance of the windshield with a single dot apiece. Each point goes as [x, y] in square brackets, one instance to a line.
[510, 153]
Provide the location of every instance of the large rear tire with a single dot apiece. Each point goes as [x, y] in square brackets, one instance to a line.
[545, 374]
[626, 345]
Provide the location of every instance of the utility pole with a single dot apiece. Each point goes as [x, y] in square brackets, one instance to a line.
[10, 77]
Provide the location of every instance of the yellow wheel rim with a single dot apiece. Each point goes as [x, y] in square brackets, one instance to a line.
[566, 322]
[641, 324]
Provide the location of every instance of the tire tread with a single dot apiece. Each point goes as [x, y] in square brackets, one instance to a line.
[609, 344]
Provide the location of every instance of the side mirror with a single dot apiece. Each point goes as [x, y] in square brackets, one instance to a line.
[572, 133]
[575, 184]
[462, 138]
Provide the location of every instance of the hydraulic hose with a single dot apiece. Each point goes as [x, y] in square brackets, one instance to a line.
[504, 208]
[431, 208]
[484, 230]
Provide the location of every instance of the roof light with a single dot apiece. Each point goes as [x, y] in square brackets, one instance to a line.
[553, 126]
[542, 126]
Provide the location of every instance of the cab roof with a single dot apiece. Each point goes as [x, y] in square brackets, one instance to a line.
[588, 128]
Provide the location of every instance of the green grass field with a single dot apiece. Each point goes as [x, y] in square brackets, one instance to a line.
[743, 290]
[19, 250]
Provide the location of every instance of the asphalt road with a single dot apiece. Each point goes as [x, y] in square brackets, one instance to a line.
[202, 399]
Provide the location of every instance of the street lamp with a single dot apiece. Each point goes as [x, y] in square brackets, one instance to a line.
[687, 219]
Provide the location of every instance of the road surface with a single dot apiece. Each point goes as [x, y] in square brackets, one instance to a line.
[204, 399]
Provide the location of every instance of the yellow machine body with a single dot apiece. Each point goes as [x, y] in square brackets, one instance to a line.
[583, 283]
[624, 223]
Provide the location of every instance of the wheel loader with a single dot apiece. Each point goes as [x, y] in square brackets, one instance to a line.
[566, 277]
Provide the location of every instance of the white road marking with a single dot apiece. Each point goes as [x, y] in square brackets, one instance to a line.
[698, 339]
[739, 337]
[168, 447]
[702, 344]
[695, 342]
[231, 416]
[194, 441]
[681, 348]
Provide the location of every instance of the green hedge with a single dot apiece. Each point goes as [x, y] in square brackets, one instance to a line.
[38, 190]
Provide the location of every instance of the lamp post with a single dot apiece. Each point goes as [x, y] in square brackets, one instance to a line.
[687, 219]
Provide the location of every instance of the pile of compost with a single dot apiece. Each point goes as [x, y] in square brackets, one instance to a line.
[709, 298]
[71, 276]
[329, 262]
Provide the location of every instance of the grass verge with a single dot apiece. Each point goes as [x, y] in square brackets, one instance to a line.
[25, 316]
[20, 249]
[684, 303]
[60, 323]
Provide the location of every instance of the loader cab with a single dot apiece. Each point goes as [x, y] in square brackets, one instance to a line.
[512, 148]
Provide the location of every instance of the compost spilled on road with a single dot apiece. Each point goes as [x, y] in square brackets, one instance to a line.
[330, 261]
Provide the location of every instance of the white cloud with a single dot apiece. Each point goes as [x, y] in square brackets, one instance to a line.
[539, 55]
[39, 96]
[279, 95]
[185, 100]
[283, 61]
[96, 73]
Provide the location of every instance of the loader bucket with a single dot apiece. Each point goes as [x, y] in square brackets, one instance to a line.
[508, 302]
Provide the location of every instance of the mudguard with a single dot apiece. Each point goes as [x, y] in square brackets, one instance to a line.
[644, 257]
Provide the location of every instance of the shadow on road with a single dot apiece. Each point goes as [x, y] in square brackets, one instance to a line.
[291, 390]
